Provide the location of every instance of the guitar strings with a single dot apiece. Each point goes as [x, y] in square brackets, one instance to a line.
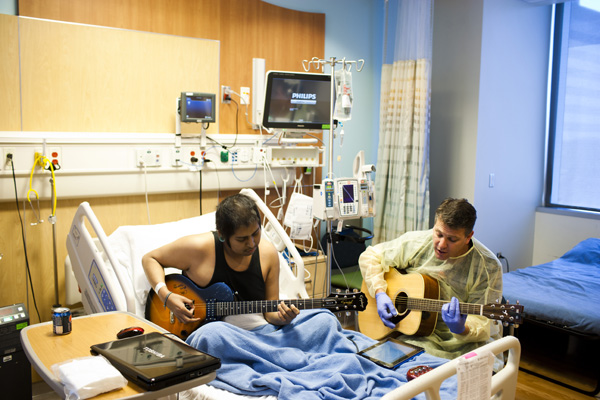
[241, 307]
[435, 304]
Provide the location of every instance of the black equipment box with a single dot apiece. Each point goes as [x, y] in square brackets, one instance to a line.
[15, 369]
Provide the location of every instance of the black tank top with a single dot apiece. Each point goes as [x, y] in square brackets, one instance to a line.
[247, 285]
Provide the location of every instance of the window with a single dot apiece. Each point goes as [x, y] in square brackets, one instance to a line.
[573, 168]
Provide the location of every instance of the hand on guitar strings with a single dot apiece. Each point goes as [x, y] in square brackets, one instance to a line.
[452, 316]
[183, 308]
[385, 309]
[286, 314]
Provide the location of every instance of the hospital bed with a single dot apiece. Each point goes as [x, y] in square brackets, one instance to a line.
[560, 336]
[109, 274]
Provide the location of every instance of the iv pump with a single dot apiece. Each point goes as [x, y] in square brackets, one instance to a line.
[346, 198]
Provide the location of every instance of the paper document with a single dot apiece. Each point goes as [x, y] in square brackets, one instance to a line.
[474, 373]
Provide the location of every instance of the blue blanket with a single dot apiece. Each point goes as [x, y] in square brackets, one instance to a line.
[311, 358]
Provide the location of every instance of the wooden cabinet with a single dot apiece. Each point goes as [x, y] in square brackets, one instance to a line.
[315, 273]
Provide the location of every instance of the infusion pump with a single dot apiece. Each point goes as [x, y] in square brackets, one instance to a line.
[344, 198]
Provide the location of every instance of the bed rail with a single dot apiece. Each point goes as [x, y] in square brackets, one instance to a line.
[296, 281]
[88, 265]
[504, 383]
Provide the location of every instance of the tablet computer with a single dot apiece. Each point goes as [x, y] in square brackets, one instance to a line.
[390, 352]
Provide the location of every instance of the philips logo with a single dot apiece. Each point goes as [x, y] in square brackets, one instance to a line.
[154, 352]
[304, 96]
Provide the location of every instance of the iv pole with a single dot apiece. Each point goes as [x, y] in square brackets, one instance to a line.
[318, 63]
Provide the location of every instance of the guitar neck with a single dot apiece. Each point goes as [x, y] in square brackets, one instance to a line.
[224, 308]
[433, 305]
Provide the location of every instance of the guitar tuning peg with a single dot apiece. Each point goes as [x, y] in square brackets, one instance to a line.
[355, 290]
[338, 290]
[516, 325]
[505, 324]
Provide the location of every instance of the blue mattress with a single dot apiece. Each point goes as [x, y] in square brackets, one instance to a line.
[565, 291]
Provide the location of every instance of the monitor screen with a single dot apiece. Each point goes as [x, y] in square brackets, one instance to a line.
[348, 193]
[197, 107]
[297, 101]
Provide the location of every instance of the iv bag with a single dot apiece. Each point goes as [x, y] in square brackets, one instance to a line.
[299, 216]
[343, 100]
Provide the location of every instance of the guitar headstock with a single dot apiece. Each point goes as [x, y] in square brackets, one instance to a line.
[508, 314]
[351, 301]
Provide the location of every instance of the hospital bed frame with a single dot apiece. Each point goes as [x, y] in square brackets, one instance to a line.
[93, 263]
[504, 382]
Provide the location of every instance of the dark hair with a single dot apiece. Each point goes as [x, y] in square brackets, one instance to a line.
[235, 212]
[457, 214]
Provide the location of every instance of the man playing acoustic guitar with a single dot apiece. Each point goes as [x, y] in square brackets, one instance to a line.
[234, 255]
[465, 270]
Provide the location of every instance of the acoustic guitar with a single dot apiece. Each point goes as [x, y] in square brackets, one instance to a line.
[217, 301]
[416, 298]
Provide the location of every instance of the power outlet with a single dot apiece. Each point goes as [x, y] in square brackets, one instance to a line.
[260, 155]
[5, 161]
[148, 158]
[225, 95]
[245, 94]
[176, 157]
[54, 154]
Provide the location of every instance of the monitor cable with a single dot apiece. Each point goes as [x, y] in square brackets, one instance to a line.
[23, 238]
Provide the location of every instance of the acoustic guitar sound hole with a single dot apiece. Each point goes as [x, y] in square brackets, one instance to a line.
[400, 304]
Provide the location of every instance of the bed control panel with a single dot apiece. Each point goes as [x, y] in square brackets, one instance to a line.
[99, 285]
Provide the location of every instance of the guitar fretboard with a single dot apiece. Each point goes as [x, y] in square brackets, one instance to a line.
[432, 305]
[225, 308]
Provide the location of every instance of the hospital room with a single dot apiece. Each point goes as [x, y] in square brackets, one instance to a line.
[352, 134]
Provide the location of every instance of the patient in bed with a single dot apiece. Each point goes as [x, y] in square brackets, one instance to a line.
[466, 271]
[234, 255]
[290, 355]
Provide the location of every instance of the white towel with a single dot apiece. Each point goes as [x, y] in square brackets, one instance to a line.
[87, 377]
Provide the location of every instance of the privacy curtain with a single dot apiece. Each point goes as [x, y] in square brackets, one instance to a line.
[402, 177]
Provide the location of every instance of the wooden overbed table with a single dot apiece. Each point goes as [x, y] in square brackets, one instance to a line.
[44, 349]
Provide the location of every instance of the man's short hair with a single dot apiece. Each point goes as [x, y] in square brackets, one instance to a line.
[235, 212]
[457, 214]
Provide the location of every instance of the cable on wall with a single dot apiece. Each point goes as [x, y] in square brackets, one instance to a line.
[27, 268]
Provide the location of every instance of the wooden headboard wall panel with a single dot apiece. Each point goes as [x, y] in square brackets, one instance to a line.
[10, 111]
[246, 29]
[84, 78]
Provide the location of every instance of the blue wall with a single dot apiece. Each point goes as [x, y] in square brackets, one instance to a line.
[8, 7]
[354, 30]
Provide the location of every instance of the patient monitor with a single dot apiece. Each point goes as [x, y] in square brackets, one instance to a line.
[346, 198]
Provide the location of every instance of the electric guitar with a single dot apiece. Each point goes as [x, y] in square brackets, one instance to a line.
[217, 301]
[416, 298]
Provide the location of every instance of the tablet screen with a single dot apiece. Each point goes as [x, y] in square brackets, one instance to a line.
[390, 352]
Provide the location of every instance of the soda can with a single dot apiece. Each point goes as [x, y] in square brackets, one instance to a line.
[61, 320]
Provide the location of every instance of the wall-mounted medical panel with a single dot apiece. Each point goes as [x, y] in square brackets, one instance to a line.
[85, 78]
[121, 164]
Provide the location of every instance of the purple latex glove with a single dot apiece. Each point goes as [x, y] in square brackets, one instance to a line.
[452, 316]
[385, 309]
